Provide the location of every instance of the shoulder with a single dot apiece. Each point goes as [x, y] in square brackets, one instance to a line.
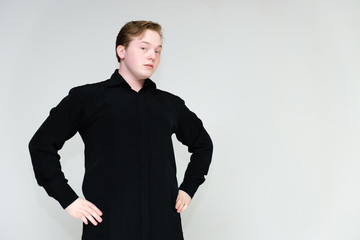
[87, 90]
[170, 97]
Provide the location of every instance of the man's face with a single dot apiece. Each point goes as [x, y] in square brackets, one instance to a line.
[142, 56]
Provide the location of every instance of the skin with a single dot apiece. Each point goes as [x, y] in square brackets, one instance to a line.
[137, 62]
[182, 202]
[140, 59]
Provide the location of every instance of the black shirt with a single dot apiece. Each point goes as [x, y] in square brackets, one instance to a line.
[130, 169]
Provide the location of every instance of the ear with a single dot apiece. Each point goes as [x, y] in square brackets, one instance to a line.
[120, 50]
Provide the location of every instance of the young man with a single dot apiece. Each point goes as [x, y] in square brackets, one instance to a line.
[126, 124]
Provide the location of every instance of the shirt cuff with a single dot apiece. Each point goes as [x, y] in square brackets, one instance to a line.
[65, 195]
[189, 187]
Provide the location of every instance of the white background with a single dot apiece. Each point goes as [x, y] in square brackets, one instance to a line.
[276, 83]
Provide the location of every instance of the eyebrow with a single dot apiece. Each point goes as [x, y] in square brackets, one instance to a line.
[149, 43]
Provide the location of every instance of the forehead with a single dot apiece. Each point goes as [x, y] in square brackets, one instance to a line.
[149, 37]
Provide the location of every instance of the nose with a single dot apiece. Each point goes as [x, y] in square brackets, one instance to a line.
[151, 54]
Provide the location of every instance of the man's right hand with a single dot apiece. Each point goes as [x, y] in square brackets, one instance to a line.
[84, 210]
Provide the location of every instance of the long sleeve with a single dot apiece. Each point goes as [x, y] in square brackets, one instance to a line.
[62, 123]
[190, 132]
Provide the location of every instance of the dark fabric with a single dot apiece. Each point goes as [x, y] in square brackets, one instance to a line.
[130, 170]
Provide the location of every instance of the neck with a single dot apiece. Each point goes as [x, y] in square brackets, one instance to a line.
[135, 84]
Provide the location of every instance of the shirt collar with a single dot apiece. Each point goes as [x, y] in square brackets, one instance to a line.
[117, 80]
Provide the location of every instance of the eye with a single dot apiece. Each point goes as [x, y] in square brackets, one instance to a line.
[143, 48]
[157, 51]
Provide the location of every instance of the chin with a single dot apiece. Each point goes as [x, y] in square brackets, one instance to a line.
[147, 75]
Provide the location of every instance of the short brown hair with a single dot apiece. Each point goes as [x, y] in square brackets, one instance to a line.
[133, 29]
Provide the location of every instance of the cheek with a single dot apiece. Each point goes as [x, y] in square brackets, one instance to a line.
[157, 60]
[134, 59]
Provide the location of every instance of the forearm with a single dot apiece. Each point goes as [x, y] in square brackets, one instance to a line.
[199, 164]
[47, 169]
[62, 123]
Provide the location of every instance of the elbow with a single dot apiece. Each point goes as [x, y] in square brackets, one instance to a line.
[32, 144]
[210, 144]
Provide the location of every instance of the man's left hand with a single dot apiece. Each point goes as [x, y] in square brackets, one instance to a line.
[182, 202]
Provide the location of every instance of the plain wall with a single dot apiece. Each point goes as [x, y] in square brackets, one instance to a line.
[276, 83]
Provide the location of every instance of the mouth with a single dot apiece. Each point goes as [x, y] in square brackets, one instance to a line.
[149, 66]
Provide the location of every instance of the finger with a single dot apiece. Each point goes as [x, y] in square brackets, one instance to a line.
[185, 206]
[94, 214]
[181, 208]
[83, 218]
[91, 219]
[178, 204]
[93, 207]
[97, 217]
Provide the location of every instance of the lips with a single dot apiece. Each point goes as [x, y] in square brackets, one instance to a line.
[149, 66]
